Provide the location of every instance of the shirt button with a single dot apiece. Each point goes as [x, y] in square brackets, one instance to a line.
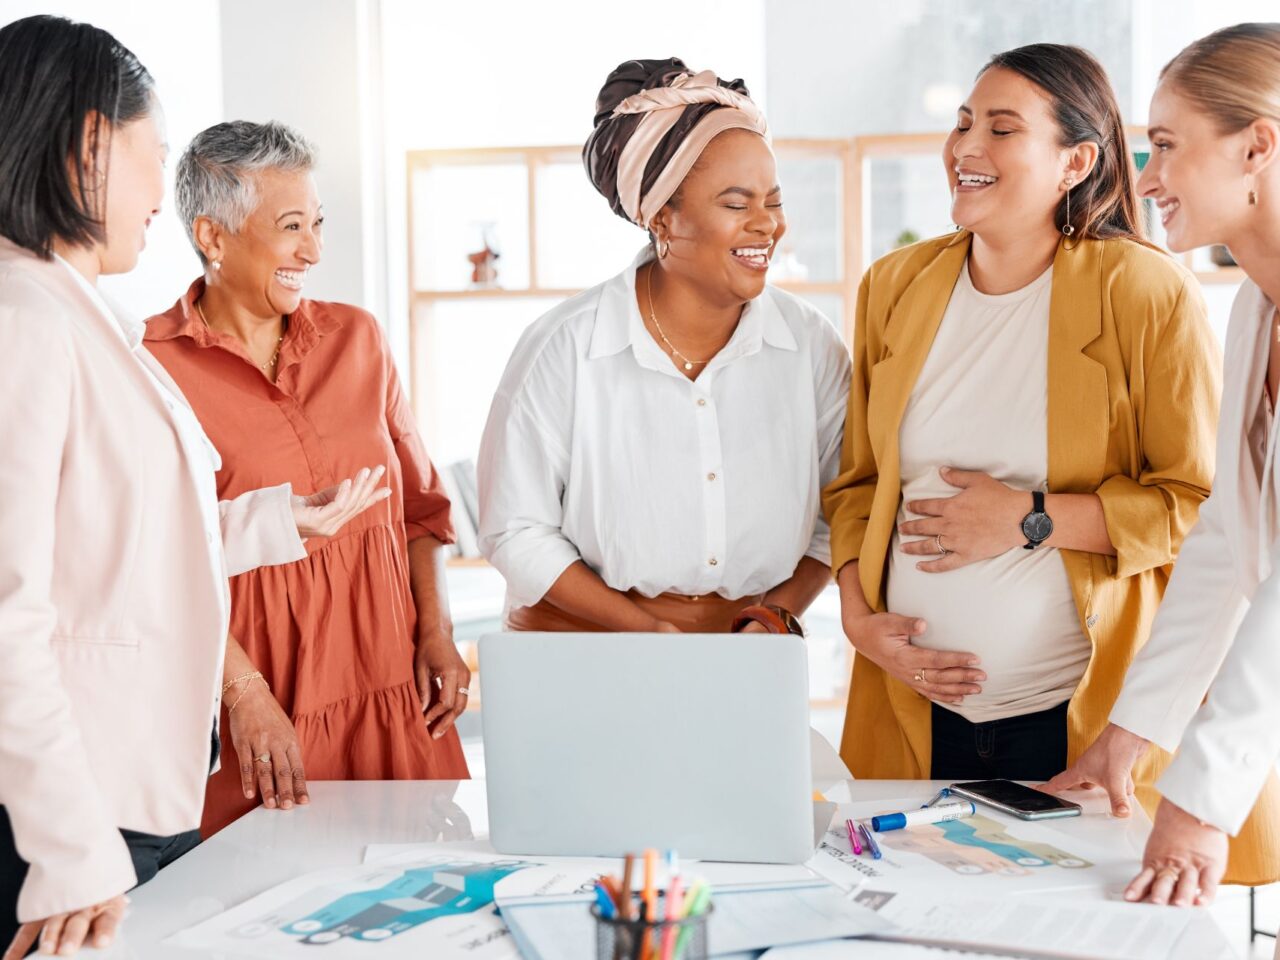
[712, 562]
[711, 476]
[702, 401]
[1093, 619]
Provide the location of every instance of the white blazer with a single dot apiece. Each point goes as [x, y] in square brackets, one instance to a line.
[113, 589]
[1218, 629]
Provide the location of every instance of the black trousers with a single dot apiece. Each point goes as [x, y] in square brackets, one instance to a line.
[1030, 747]
[149, 853]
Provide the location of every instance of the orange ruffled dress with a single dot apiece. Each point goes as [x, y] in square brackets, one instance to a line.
[333, 633]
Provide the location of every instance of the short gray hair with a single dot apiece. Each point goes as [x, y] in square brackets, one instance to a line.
[215, 176]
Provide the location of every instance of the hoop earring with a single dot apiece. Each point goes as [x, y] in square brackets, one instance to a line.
[662, 249]
[1067, 228]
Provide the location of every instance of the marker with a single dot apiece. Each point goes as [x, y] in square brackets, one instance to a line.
[925, 815]
[853, 839]
[870, 841]
[695, 905]
[650, 908]
[604, 901]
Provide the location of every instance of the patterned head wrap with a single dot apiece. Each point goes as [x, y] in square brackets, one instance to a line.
[653, 120]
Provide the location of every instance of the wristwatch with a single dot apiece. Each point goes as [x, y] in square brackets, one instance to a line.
[1036, 525]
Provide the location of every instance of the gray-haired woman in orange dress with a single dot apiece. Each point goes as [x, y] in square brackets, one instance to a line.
[353, 643]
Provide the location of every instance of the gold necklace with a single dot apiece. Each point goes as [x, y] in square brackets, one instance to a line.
[688, 364]
[275, 357]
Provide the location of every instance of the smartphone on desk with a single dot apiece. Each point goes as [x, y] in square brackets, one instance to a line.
[1015, 799]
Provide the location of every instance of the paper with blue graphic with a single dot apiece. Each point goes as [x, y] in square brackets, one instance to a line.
[439, 905]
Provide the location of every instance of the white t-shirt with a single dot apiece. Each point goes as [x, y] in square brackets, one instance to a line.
[597, 448]
[981, 403]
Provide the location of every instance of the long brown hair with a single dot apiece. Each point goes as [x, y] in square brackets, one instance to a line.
[1105, 204]
[1232, 75]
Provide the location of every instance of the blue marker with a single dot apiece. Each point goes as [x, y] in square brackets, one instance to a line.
[956, 810]
[605, 902]
[938, 797]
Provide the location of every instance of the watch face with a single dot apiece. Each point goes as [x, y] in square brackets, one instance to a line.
[1036, 527]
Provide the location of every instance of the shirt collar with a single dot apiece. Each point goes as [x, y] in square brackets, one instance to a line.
[130, 327]
[308, 323]
[619, 324]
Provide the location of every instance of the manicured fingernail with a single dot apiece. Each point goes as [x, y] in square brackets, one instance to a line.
[286, 804]
[974, 662]
[248, 794]
[270, 803]
[101, 941]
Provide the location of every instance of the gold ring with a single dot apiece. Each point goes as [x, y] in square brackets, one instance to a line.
[937, 541]
[265, 758]
[919, 678]
[1171, 872]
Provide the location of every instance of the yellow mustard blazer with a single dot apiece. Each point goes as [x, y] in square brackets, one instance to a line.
[1134, 379]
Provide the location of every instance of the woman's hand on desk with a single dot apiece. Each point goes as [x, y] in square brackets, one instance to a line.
[983, 520]
[66, 933]
[267, 748]
[886, 640]
[1108, 763]
[1183, 863]
[324, 513]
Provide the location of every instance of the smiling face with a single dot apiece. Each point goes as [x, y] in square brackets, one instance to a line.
[726, 220]
[1005, 163]
[136, 156]
[265, 263]
[1197, 175]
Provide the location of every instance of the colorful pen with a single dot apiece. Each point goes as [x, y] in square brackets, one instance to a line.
[604, 901]
[870, 841]
[695, 905]
[853, 839]
[650, 898]
[628, 871]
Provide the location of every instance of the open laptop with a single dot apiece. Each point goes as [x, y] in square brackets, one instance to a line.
[599, 744]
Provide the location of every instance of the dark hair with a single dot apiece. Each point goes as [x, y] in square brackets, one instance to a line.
[53, 74]
[1105, 204]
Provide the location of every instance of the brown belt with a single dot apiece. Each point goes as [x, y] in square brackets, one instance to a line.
[709, 613]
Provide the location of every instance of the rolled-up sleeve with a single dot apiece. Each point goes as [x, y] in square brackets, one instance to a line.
[847, 499]
[426, 506]
[1147, 517]
[521, 475]
[831, 382]
[60, 820]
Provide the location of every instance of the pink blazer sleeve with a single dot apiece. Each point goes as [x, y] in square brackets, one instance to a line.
[258, 530]
[58, 814]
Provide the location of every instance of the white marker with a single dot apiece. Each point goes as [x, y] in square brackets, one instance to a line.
[925, 815]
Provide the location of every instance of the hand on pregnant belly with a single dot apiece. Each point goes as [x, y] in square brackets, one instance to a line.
[885, 639]
[983, 520]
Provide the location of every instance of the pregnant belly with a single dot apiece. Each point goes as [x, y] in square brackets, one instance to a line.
[1014, 612]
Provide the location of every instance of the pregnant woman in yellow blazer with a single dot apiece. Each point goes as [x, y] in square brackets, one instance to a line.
[1111, 421]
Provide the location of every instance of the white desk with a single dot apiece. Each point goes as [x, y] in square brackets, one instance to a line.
[267, 847]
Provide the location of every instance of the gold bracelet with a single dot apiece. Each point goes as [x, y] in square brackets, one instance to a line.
[232, 709]
[256, 675]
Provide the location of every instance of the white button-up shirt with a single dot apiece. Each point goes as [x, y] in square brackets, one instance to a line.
[598, 449]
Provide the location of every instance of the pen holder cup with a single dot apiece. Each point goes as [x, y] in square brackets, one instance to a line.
[618, 939]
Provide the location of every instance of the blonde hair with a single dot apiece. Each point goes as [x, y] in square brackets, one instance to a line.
[1233, 74]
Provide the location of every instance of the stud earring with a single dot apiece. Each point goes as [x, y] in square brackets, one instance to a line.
[217, 265]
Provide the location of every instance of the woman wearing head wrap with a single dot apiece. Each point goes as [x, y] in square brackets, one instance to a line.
[655, 451]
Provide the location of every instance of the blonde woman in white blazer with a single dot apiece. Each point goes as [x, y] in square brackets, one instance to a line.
[1214, 175]
[113, 570]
